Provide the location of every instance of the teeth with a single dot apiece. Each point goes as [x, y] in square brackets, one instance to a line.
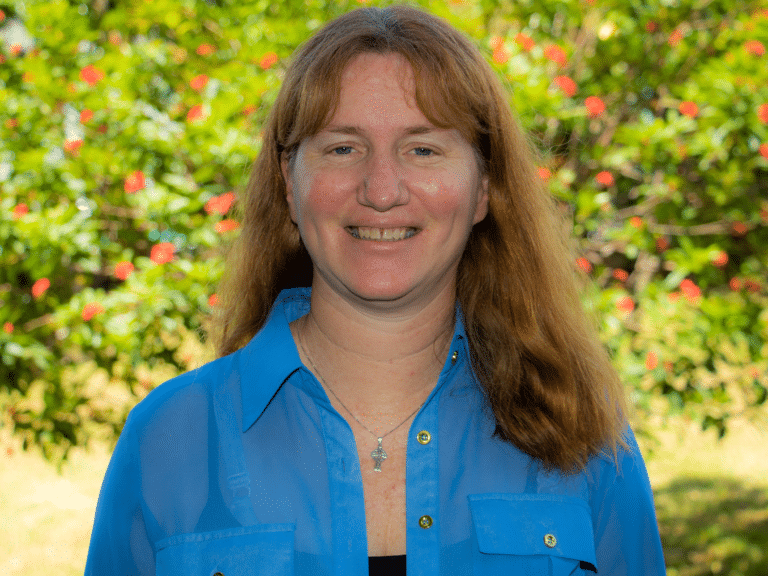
[382, 234]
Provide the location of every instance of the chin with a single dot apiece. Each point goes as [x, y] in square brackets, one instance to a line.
[384, 290]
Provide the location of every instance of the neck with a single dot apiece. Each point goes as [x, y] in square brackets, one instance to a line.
[379, 365]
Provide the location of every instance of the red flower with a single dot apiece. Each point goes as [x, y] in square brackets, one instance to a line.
[91, 309]
[762, 113]
[651, 361]
[19, 210]
[764, 150]
[636, 221]
[496, 43]
[620, 275]
[556, 54]
[720, 260]
[626, 304]
[662, 244]
[738, 228]
[250, 109]
[268, 60]
[220, 204]
[8, 327]
[226, 226]
[500, 56]
[73, 146]
[2, 15]
[544, 173]
[16, 49]
[213, 300]
[754, 47]
[525, 42]
[39, 287]
[162, 253]
[751, 285]
[735, 284]
[123, 269]
[566, 84]
[85, 116]
[205, 50]
[651, 26]
[595, 106]
[689, 109]
[11, 123]
[584, 264]
[675, 38]
[198, 82]
[134, 182]
[91, 75]
[605, 178]
[195, 113]
[690, 290]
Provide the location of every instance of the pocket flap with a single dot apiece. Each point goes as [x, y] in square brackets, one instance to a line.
[262, 549]
[527, 524]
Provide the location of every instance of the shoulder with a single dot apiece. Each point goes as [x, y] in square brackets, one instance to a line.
[184, 396]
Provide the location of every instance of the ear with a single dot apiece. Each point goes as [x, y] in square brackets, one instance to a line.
[288, 178]
[481, 208]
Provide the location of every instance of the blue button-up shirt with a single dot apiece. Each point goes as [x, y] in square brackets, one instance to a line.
[244, 467]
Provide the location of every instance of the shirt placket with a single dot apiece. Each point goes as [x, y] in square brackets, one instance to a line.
[422, 492]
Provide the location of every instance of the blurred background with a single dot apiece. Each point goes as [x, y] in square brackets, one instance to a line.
[127, 128]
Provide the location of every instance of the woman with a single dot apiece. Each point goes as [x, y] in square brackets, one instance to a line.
[436, 399]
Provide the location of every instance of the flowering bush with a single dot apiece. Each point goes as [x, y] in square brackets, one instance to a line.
[127, 128]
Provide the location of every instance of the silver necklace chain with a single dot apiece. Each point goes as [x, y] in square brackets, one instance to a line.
[378, 455]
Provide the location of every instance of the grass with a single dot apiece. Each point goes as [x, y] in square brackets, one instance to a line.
[711, 501]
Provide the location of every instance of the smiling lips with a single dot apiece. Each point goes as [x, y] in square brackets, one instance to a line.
[381, 234]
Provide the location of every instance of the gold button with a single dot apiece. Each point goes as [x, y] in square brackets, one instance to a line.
[550, 541]
[454, 356]
[425, 521]
[423, 437]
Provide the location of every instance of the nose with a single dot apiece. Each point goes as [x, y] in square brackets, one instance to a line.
[383, 185]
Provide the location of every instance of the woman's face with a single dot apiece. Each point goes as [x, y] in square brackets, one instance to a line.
[384, 200]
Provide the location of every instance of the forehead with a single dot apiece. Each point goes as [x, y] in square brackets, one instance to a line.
[377, 86]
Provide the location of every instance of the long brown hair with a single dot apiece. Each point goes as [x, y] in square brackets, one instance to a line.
[548, 379]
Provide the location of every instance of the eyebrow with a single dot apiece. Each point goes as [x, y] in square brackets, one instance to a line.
[356, 131]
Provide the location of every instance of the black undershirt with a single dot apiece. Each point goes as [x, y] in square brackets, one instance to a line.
[386, 565]
[395, 566]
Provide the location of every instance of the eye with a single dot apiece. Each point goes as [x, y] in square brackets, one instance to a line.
[423, 151]
[342, 150]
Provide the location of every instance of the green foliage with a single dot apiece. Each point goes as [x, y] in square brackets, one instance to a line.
[125, 126]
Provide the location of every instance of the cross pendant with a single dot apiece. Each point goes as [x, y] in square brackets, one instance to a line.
[378, 456]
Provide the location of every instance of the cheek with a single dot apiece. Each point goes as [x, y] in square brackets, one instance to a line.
[452, 195]
[322, 196]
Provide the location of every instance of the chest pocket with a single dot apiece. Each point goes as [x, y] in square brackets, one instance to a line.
[532, 534]
[263, 550]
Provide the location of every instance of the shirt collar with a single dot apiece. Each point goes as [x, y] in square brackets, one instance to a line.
[271, 355]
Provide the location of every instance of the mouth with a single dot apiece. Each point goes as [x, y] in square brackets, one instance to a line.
[382, 234]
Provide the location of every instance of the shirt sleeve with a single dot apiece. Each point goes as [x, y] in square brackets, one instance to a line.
[119, 542]
[626, 530]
